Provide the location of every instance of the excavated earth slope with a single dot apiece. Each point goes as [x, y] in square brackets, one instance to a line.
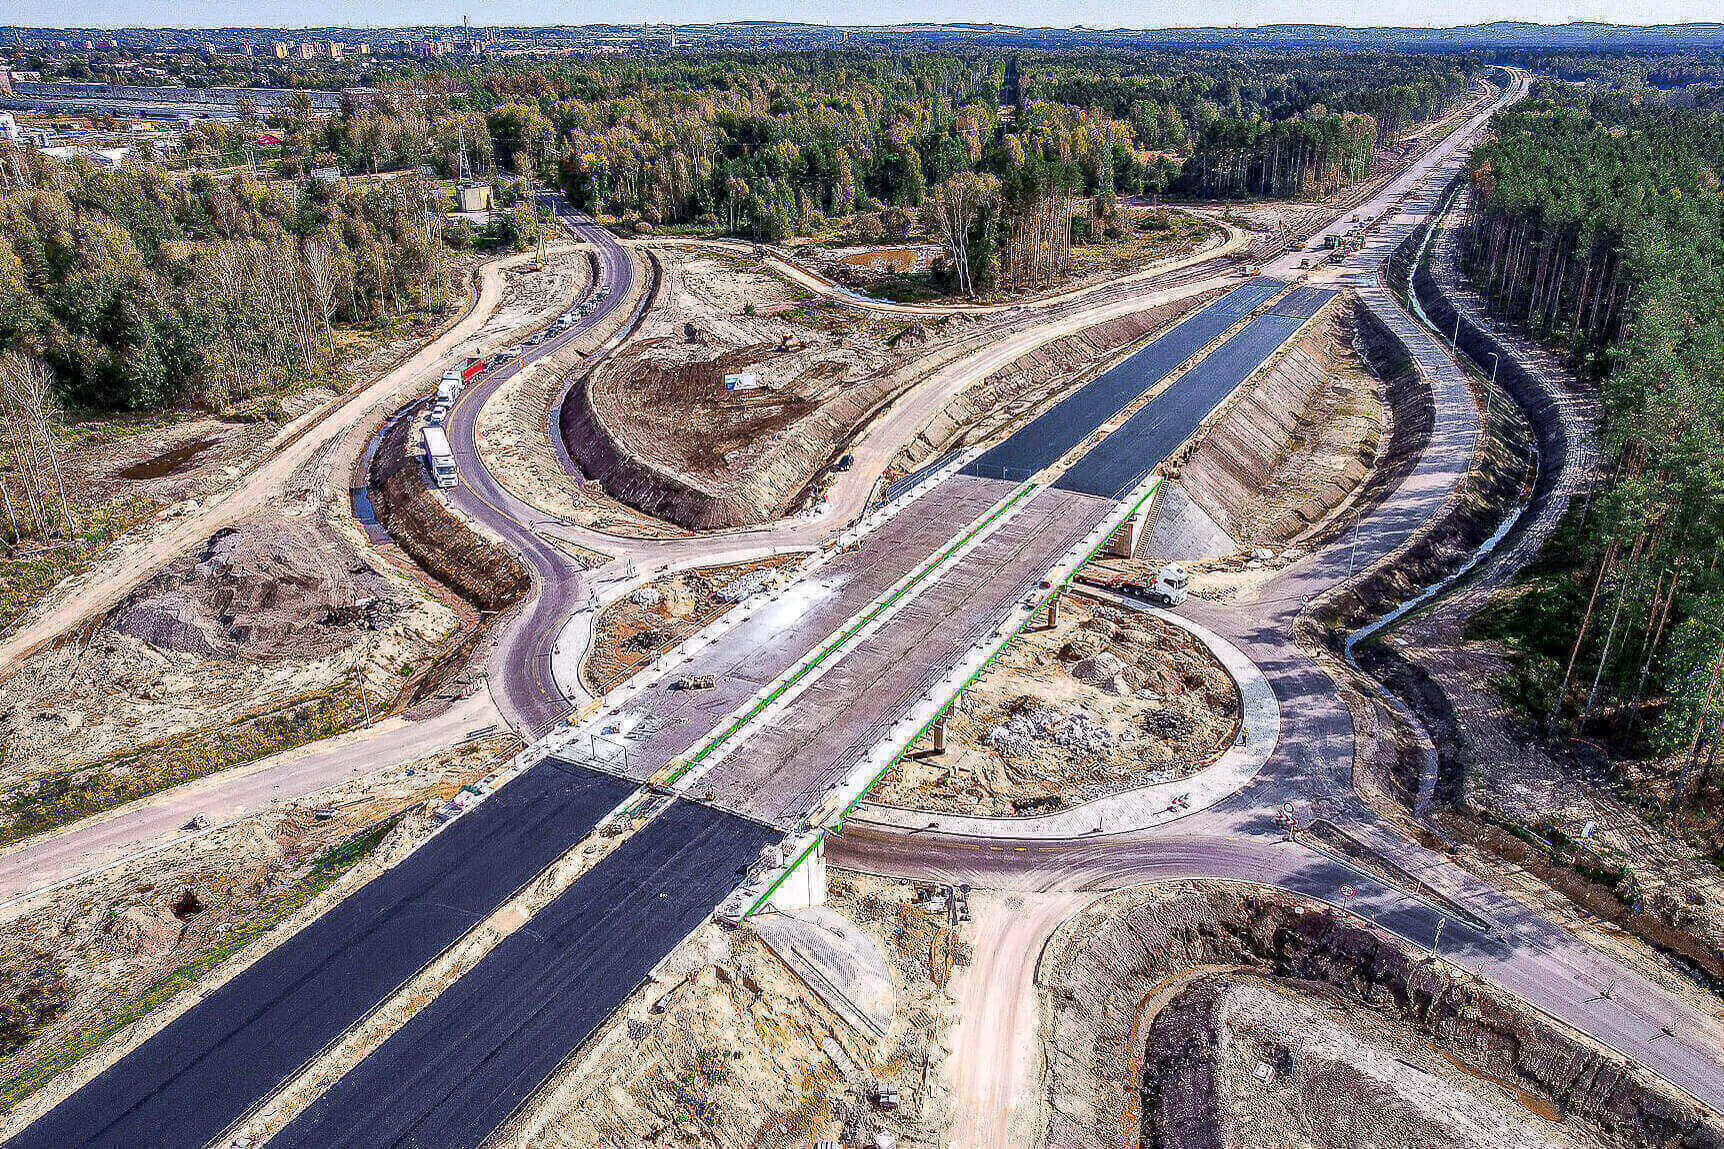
[1233, 1062]
[1101, 968]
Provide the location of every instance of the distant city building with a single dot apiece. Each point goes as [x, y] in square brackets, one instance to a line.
[8, 127]
[336, 50]
[306, 49]
[6, 80]
[281, 49]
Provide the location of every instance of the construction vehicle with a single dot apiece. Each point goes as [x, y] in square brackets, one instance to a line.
[439, 458]
[1171, 586]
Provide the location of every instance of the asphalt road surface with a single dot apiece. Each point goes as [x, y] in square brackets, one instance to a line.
[1126, 457]
[212, 1064]
[521, 675]
[463, 1064]
[1049, 436]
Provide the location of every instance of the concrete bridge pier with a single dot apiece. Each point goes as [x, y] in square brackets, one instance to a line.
[806, 884]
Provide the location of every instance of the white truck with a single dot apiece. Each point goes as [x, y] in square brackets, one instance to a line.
[450, 388]
[439, 458]
[1171, 586]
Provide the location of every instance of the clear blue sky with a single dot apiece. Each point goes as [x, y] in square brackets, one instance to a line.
[1035, 13]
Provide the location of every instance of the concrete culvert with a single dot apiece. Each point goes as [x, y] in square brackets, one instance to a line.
[188, 904]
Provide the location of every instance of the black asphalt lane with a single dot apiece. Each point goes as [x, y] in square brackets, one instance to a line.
[1041, 442]
[1121, 461]
[186, 1084]
[462, 1065]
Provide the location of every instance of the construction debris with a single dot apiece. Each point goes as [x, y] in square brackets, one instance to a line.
[652, 618]
[1109, 700]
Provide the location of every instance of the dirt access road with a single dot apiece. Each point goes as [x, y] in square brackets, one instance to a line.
[114, 577]
[48, 861]
[1310, 773]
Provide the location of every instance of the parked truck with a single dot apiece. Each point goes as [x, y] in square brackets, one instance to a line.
[1171, 586]
[450, 388]
[439, 458]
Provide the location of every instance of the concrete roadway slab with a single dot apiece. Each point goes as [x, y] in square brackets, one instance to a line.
[782, 771]
[780, 633]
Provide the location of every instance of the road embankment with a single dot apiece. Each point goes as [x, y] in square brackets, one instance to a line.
[445, 546]
[1101, 968]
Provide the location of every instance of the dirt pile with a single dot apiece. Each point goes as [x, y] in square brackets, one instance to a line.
[1232, 1063]
[34, 990]
[1103, 966]
[1108, 701]
[277, 589]
[251, 645]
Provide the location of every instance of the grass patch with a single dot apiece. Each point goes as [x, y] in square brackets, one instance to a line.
[60, 799]
[30, 570]
[72, 1048]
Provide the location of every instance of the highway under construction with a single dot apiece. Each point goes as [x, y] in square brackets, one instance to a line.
[860, 641]
[717, 779]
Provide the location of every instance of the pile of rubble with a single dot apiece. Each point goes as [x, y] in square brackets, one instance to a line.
[1109, 700]
[276, 589]
[1032, 723]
